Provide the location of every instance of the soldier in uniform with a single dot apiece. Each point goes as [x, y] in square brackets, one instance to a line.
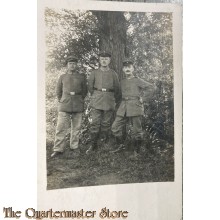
[103, 85]
[71, 91]
[131, 107]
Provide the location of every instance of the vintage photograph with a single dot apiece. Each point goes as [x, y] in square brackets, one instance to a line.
[109, 97]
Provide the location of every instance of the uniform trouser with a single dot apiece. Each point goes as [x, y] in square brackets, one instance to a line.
[101, 119]
[65, 120]
[120, 122]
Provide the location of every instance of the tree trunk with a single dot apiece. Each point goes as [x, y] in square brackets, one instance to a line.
[113, 27]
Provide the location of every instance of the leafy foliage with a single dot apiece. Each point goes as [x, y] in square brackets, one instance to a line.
[70, 32]
[151, 37]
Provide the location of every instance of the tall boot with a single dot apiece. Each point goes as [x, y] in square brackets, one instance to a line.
[137, 146]
[94, 141]
[136, 149]
[119, 143]
[105, 136]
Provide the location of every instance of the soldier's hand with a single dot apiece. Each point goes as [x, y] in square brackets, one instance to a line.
[141, 100]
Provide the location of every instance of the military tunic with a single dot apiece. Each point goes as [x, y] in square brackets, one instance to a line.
[103, 80]
[67, 84]
[131, 107]
[131, 92]
[71, 91]
[105, 92]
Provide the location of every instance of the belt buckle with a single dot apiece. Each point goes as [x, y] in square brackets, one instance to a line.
[104, 90]
[72, 93]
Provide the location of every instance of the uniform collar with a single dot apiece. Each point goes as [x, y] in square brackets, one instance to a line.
[131, 77]
[105, 70]
[73, 73]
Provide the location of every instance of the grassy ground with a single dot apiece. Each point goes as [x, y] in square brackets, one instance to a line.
[154, 164]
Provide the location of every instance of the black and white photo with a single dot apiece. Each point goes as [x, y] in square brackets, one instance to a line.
[122, 130]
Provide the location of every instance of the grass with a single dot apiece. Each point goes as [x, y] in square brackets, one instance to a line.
[154, 164]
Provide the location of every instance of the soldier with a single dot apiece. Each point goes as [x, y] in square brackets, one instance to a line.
[71, 91]
[103, 86]
[131, 107]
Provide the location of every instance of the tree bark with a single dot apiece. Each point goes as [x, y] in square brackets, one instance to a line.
[113, 27]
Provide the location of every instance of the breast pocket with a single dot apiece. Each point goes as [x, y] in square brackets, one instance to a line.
[77, 85]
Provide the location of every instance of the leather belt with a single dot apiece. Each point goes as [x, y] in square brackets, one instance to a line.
[104, 90]
[74, 93]
[130, 98]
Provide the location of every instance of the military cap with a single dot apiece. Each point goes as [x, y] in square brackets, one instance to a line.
[71, 59]
[104, 54]
[127, 62]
